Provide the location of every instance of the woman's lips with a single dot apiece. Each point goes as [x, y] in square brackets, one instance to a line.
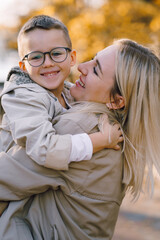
[80, 83]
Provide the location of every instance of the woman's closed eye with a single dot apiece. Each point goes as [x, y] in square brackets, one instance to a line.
[94, 70]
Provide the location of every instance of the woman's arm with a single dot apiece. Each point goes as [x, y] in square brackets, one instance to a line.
[22, 178]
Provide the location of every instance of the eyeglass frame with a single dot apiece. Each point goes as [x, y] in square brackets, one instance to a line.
[44, 53]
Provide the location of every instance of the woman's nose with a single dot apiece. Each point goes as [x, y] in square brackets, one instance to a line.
[82, 67]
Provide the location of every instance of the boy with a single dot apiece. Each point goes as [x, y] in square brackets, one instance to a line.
[35, 94]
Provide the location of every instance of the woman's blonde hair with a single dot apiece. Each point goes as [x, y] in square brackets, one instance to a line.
[138, 81]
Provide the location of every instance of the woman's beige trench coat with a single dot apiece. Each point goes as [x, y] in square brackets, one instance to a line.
[79, 204]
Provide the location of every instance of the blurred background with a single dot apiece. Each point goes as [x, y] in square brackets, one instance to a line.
[94, 24]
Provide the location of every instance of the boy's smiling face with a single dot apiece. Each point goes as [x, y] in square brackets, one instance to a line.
[50, 75]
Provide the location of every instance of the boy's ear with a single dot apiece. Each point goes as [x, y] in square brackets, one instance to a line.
[118, 103]
[22, 66]
[73, 57]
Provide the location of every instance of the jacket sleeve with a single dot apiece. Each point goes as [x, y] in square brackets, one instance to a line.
[29, 119]
[23, 178]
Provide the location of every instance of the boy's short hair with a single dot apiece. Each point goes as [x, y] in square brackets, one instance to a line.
[43, 22]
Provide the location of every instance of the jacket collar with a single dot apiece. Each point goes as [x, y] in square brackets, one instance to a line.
[17, 76]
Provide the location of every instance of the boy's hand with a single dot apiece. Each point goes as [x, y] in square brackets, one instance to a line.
[112, 133]
[108, 137]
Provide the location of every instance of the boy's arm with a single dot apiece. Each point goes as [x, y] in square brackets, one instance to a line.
[30, 122]
[84, 145]
[23, 177]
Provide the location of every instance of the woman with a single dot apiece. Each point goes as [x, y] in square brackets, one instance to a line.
[83, 203]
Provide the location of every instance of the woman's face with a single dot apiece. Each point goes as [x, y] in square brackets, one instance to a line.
[97, 77]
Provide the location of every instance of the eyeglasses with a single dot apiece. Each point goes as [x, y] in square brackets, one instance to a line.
[58, 54]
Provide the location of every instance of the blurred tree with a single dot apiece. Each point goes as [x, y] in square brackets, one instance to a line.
[92, 27]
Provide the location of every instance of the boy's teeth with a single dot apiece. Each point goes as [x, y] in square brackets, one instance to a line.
[49, 74]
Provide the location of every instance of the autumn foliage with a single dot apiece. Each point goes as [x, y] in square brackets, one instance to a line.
[94, 27]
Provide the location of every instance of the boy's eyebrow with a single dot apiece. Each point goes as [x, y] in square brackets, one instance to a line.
[99, 66]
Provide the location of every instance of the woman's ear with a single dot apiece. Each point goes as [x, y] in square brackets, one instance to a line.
[118, 103]
[73, 57]
[22, 66]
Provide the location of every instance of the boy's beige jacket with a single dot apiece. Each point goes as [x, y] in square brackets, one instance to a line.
[79, 204]
[29, 111]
